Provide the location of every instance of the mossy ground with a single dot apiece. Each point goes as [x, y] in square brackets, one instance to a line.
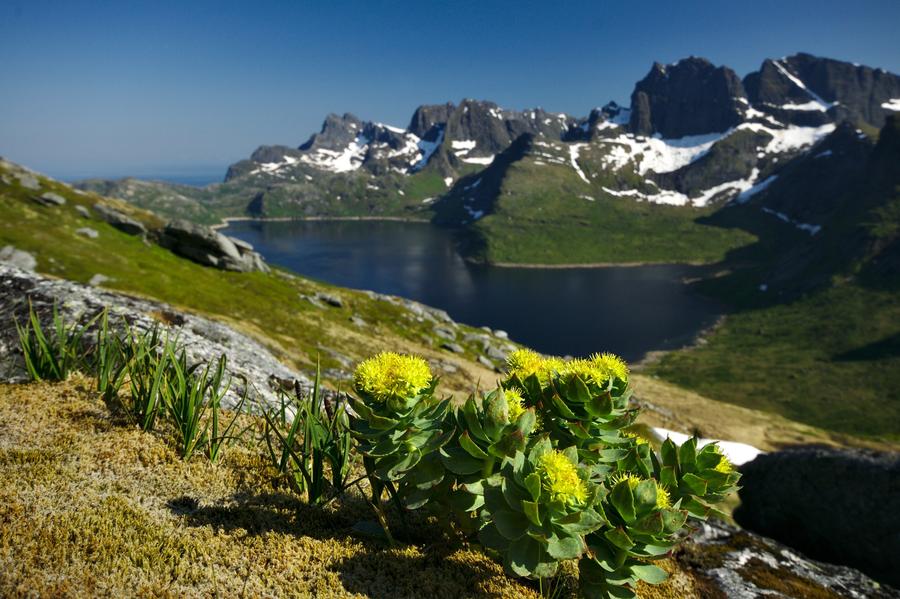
[92, 506]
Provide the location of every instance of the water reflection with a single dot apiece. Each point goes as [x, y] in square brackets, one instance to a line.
[562, 311]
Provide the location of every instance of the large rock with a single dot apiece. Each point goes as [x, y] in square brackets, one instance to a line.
[210, 248]
[253, 367]
[720, 561]
[120, 221]
[690, 97]
[50, 199]
[841, 506]
[18, 258]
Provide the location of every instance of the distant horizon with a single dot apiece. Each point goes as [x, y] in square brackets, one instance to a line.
[112, 90]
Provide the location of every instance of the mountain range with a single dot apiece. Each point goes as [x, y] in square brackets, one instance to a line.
[539, 187]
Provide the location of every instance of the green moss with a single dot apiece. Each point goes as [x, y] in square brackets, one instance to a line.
[783, 581]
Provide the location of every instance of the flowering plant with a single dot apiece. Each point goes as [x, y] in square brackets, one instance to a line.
[542, 468]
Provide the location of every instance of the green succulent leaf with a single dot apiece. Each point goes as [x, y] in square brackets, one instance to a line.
[695, 484]
[623, 500]
[650, 574]
[523, 556]
[512, 525]
[458, 461]
[619, 538]
[491, 538]
[532, 511]
[565, 548]
[533, 484]
[471, 447]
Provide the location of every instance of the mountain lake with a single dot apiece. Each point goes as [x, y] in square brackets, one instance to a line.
[563, 311]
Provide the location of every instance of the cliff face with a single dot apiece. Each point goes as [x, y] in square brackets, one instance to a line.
[691, 97]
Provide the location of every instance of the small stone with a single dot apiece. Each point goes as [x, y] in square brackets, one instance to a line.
[487, 329]
[501, 334]
[358, 321]
[453, 347]
[28, 181]
[330, 299]
[50, 199]
[88, 232]
[18, 258]
[98, 280]
[122, 222]
[496, 353]
[485, 362]
[81, 210]
[445, 333]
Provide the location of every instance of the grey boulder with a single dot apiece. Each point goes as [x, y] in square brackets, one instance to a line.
[18, 258]
[50, 199]
[88, 232]
[120, 221]
[836, 505]
[210, 248]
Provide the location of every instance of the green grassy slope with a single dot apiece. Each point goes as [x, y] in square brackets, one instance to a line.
[545, 214]
[270, 307]
[821, 344]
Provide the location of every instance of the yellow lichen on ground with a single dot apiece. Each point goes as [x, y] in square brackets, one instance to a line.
[91, 506]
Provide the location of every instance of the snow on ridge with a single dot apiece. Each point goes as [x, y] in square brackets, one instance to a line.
[463, 145]
[811, 229]
[796, 81]
[272, 167]
[892, 104]
[574, 149]
[427, 148]
[483, 160]
[657, 154]
[745, 195]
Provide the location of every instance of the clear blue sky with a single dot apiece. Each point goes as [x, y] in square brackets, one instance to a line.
[126, 87]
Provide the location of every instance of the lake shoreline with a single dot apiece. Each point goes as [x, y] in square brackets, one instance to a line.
[588, 264]
[225, 222]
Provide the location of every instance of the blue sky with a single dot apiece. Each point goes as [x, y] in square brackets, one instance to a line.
[114, 88]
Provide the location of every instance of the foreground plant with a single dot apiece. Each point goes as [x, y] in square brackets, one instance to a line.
[51, 357]
[542, 467]
[306, 442]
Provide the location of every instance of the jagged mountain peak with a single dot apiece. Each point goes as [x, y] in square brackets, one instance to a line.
[689, 97]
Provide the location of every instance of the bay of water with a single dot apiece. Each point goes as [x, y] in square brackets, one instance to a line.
[629, 310]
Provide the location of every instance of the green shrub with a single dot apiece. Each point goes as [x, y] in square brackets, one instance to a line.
[51, 357]
[540, 468]
[304, 438]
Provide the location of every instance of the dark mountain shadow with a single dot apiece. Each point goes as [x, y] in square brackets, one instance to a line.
[889, 347]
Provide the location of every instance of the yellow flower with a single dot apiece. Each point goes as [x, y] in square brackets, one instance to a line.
[638, 440]
[633, 480]
[560, 478]
[724, 466]
[598, 369]
[663, 499]
[525, 362]
[389, 374]
[514, 404]
[611, 365]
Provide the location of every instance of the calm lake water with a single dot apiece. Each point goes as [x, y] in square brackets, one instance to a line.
[629, 311]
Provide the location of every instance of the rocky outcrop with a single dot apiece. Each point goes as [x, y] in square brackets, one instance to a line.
[804, 88]
[18, 258]
[837, 505]
[690, 97]
[720, 561]
[253, 367]
[50, 199]
[210, 248]
[120, 221]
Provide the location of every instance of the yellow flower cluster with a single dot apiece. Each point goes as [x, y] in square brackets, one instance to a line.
[389, 374]
[515, 404]
[663, 499]
[597, 369]
[560, 478]
[525, 362]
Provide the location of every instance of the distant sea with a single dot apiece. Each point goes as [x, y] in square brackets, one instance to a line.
[196, 179]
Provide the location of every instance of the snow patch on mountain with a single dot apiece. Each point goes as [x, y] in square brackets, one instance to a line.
[823, 105]
[272, 167]
[811, 229]
[574, 149]
[656, 154]
[346, 160]
[892, 104]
